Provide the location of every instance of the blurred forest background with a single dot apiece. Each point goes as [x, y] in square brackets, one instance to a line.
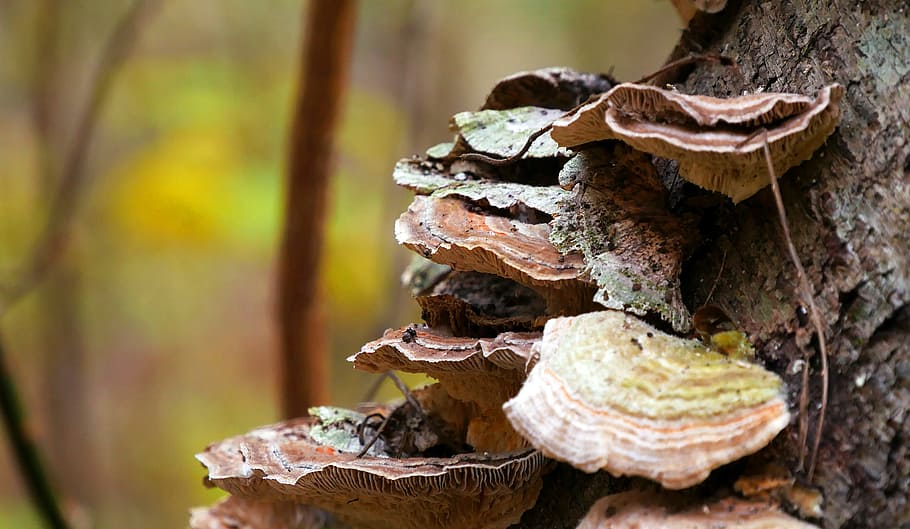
[156, 334]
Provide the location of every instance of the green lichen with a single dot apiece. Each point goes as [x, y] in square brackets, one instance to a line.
[632, 245]
[503, 133]
[441, 151]
[877, 59]
[435, 179]
[337, 428]
[421, 176]
[506, 195]
[617, 361]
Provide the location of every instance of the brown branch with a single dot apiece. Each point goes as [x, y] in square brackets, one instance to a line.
[323, 79]
[45, 81]
[65, 202]
[25, 453]
[53, 239]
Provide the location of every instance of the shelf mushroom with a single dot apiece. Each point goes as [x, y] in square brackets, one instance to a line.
[449, 231]
[235, 512]
[611, 392]
[717, 142]
[471, 303]
[484, 371]
[661, 510]
[284, 463]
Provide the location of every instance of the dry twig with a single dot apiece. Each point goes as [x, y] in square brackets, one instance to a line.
[65, 202]
[52, 243]
[806, 291]
[25, 451]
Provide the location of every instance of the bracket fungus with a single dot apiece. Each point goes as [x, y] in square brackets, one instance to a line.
[483, 371]
[283, 463]
[434, 179]
[448, 231]
[612, 392]
[487, 371]
[656, 510]
[471, 303]
[633, 246]
[235, 512]
[561, 88]
[502, 133]
[717, 142]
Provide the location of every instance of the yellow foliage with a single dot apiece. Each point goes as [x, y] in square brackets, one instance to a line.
[178, 190]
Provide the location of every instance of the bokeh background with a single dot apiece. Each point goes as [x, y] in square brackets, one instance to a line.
[155, 336]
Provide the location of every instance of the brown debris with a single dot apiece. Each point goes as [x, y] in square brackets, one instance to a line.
[762, 481]
[772, 482]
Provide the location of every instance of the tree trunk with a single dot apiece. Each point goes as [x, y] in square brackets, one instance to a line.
[329, 37]
[849, 209]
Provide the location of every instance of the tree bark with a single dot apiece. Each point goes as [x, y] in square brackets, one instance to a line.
[849, 209]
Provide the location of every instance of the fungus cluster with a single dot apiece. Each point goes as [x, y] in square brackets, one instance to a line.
[535, 279]
[717, 142]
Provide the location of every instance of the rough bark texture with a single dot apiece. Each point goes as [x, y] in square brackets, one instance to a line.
[850, 212]
[849, 209]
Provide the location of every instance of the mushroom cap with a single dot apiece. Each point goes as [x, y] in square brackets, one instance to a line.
[235, 512]
[717, 142]
[282, 463]
[652, 510]
[482, 370]
[554, 87]
[669, 106]
[448, 231]
[612, 392]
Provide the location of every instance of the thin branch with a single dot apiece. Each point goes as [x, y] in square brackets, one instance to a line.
[65, 203]
[371, 392]
[720, 271]
[477, 157]
[323, 79]
[694, 58]
[52, 242]
[809, 299]
[24, 450]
